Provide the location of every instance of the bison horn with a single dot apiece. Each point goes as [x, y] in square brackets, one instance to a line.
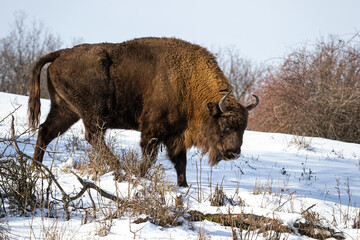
[253, 105]
[222, 102]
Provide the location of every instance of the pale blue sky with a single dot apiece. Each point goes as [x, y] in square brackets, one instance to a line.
[259, 29]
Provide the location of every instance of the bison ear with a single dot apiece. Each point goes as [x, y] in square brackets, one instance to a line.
[214, 109]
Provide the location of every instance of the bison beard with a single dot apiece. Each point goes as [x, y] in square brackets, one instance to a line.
[172, 91]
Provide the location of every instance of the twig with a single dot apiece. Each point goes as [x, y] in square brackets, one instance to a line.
[17, 149]
[308, 209]
[10, 114]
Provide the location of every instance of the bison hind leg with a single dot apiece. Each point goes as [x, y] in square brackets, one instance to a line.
[59, 119]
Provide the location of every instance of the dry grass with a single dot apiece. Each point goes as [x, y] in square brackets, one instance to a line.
[301, 142]
[51, 232]
[262, 188]
[219, 198]
[356, 224]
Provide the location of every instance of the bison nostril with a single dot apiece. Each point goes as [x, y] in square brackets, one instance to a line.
[231, 154]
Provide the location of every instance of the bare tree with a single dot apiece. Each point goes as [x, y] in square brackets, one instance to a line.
[242, 73]
[20, 49]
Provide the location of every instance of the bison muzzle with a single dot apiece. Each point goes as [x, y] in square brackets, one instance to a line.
[170, 90]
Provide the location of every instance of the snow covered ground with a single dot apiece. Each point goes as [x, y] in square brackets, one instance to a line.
[278, 176]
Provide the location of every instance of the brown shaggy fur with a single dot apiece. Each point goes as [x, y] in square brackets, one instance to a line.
[166, 88]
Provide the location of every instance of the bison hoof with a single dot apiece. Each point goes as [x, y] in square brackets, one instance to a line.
[183, 184]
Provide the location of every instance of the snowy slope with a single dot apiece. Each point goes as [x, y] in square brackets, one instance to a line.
[288, 178]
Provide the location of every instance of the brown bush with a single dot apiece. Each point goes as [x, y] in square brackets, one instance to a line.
[314, 92]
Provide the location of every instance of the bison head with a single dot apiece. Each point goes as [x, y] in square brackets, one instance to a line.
[225, 128]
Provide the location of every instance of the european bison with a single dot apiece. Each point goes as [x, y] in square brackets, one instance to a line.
[170, 90]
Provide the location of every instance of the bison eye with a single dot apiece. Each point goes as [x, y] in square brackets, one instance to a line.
[226, 130]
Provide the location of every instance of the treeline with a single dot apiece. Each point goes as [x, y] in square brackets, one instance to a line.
[313, 91]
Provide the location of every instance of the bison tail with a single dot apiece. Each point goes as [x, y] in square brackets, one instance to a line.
[34, 91]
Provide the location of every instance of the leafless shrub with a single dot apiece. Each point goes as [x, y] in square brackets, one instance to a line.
[314, 92]
[17, 180]
[18, 185]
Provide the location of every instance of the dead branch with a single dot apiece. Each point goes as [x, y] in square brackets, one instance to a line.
[253, 222]
[90, 185]
[242, 220]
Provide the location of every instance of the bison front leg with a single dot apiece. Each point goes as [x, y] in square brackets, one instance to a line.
[179, 161]
[176, 151]
[177, 154]
[150, 150]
